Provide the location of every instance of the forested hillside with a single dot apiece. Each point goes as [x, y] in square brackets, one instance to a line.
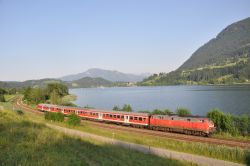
[223, 60]
[88, 82]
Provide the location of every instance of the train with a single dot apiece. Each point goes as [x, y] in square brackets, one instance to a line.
[190, 125]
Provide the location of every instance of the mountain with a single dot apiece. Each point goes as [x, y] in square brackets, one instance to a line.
[223, 60]
[88, 82]
[28, 83]
[109, 75]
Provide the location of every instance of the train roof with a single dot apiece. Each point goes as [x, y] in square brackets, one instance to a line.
[127, 113]
[98, 110]
[175, 116]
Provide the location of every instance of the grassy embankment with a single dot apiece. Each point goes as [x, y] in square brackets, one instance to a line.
[215, 151]
[220, 152]
[24, 142]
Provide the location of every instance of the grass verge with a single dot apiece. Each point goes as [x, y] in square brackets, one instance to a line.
[215, 151]
[23, 142]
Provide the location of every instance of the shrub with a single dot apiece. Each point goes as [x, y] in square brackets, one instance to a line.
[74, 120]
[248, 157]
[183, 112]
[2, 99]
[56, 117]
[19, 112]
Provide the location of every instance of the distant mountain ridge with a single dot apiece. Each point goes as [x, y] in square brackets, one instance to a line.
[88, 82]
[28, 83]
[223, 60]
[114, 76]
[88, 79]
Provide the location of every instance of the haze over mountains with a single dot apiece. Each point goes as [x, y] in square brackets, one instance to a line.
[114, 76]
[223, 60]
[90, 78]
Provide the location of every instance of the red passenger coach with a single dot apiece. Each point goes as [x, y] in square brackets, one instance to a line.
[126, 118]
[48, 108]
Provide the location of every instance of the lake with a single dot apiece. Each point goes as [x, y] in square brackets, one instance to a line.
[198, 99]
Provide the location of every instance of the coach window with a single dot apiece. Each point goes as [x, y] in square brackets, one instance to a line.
[189, 120]
[131, 118]
[140, 118]
[172, 118]
[135, 118]
[203, 121]
[114, 116]
[144, 119]
[122, 117]
[118, 116]
[110, 116]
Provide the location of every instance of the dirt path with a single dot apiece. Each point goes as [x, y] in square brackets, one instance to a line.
[200, 160]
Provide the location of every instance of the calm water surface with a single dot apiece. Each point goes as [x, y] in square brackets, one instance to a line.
[199, 99]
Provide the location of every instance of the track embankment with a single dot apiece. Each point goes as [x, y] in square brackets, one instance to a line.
[176, 136]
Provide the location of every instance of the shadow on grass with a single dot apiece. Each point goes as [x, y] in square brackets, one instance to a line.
[26, 143]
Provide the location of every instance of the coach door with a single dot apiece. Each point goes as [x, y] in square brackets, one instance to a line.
[99, 115]
[126, 119]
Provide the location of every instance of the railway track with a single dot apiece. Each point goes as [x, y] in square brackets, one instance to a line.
[182, 137]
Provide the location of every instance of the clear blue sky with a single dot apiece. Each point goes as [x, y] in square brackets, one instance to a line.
[52, 38]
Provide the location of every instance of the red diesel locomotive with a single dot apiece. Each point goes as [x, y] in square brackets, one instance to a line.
[188, 125]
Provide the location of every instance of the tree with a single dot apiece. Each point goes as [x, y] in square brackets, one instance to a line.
[183, 112]
[127, 108]
[2, 91]
[60, 89]
[216, 116]
[167, 112]
[157, 112]
[222, 121]
[55, 98]
[116, 108]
